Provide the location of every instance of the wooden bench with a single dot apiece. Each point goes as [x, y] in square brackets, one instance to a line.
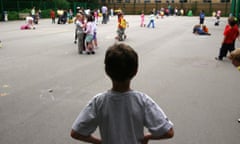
[23, 15]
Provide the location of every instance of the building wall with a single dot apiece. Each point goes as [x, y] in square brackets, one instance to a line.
[131, 8]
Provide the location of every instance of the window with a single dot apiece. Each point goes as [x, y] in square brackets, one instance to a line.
[119, 1]
[207, 1]
[225, 1]
[146, 1]
[182, 1]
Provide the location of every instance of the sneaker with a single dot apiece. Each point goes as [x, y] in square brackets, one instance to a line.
[75, 42]
[239, 120]
[217, 58]
[93, 52]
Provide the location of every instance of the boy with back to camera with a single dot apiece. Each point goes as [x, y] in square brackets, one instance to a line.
[121, 113]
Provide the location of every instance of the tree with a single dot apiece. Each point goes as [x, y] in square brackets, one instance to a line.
[63, 4]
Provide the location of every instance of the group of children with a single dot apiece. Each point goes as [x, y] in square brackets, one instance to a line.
[151, 20]
[201, 30]
[85, 33]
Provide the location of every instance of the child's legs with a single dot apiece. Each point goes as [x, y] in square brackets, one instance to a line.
[120, 33]
[153, 25]
[142, 22]
[89, 42]
[223, 51]
[149, 24]
[84, 42]
[75, 37]
[95, 39]
[232, 47]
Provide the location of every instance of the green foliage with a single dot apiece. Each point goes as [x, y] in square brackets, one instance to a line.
[45, 13]
[26, 11]
[12, 15]
[62, 4]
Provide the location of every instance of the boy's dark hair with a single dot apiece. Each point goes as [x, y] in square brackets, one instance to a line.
[121, 62]
[90, 18]
[232, 21]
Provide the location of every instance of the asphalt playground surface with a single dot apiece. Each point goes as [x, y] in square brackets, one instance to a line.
[44, 82]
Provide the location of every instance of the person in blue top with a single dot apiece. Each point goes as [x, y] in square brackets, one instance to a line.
[201, 17]
[121, 113]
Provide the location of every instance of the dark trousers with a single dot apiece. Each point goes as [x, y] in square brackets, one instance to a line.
[80, 42]
[104, 20]
[224, 50]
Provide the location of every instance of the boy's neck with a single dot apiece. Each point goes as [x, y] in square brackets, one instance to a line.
[121, 86]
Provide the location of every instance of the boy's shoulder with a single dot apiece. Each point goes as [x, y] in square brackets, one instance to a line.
[110, 93]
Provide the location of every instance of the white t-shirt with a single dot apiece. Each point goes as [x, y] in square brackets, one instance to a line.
[121, 117]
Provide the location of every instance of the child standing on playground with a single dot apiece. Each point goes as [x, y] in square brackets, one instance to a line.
[121, 113]
[94, 24]
[89, 35]
[230, 33]
[52, 15]
[201, 17]
[80, 32]
[151, 20]
[142, 20]
[122, 25]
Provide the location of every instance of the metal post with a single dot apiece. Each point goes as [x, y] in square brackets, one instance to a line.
[1, 6]
[210, 7]
[225, 7]
[18, 9]
[144, 6]
[238, 8]
[134, 7]
[233, 8]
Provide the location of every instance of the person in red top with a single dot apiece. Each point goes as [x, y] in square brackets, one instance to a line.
[230, 33]
[52, 15]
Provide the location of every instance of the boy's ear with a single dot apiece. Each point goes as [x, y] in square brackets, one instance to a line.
[135, 71]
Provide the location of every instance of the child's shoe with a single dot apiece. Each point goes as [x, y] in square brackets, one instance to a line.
[219, 59]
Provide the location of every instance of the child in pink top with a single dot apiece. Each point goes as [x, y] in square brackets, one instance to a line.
[142, 20]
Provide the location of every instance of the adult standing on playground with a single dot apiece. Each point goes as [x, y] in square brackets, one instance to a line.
[104, 14]
[33, 12]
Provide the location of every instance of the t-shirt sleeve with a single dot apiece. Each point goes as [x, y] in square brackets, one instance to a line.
[226, 30]
[86, 123]
[155, 119]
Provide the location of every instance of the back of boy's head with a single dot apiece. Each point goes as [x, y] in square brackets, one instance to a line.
[121, 62]
[232, 21]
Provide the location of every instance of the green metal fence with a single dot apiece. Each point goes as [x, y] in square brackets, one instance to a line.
[13, 5]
